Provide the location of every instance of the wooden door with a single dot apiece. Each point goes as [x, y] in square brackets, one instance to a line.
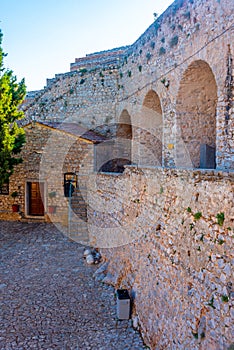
[36, 194]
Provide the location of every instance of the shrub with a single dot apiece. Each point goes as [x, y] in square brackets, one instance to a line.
[220, 218]
[174, 41]
[152, 45]
[197, 215]
[162, 51]
[148, 56]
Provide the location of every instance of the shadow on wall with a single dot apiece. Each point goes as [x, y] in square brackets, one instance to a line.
[115, 165]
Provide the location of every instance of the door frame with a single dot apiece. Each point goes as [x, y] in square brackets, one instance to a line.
[27, 198]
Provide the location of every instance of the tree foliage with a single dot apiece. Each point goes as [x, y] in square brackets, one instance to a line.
[12, 137]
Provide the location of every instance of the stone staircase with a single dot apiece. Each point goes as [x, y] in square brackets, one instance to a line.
[78, 227]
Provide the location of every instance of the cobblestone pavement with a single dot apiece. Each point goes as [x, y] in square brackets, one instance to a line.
[49, 298]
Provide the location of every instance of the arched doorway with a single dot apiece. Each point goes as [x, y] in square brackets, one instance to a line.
[196, 114]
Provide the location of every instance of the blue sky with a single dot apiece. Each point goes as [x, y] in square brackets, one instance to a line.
[42, 37]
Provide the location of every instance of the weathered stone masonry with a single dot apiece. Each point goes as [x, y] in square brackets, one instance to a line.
[170, 251]
[165, 225]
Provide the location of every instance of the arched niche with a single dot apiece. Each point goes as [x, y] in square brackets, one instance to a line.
[124, 127]
[152, 102]
[150, 133]
[196, 116]
[113, 154]
[123, 142]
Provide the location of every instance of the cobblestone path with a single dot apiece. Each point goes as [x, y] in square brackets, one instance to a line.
[49, 298]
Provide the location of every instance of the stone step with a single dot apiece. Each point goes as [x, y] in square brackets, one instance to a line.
[33, 220]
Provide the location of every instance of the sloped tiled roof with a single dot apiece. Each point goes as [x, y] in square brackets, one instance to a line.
[75, 130]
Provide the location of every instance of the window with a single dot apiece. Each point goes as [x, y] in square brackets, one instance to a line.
[70, 183]
[5, 189]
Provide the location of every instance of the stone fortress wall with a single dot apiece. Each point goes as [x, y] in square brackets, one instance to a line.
[185, 55]
[165, 225]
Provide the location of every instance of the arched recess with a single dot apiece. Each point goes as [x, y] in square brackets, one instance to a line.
[117, 152]
[196, 115]
[124, 127]
[151, 132]
[123, 144]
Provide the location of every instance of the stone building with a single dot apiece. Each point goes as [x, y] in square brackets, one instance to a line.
[157, 188]
[40, 188]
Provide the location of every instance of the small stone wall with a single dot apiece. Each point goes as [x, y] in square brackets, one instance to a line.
[168, 236]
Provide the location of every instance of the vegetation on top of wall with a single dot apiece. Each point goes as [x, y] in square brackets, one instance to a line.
[152, 45]
[197, 215]
[211, 302]
[162, 51]
[197, 26]
[225, 298]
[156, 26]
[173, 27]
[174, 41]
[180, 27]
[155, 16]
[165, 82]
[220, 218]
[148, 56]
[195, 334]
[83, 71]
[187, 14]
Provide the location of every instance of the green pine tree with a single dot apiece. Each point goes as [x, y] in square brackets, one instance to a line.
[12, 137]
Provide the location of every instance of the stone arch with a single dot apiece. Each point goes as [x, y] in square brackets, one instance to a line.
[151, 133]
[124, 127]
[123, 144]
[117, 152]
[196, 115]
[152, 102]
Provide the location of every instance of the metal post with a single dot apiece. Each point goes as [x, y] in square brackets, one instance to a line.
[69, 205]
